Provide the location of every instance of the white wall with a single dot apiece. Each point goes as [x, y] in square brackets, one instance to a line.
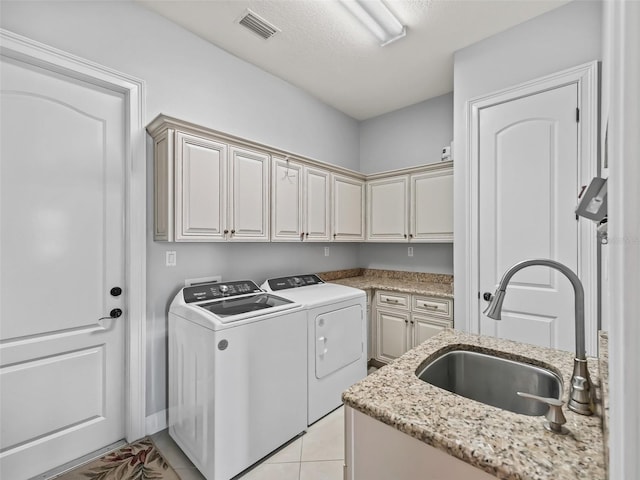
[407, 137]
[562, 38]
[189, 78]
[403, 138]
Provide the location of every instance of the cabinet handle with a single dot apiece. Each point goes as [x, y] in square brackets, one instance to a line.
[406, 321]
[405, 235]
[411, 322]
[334, 235]
[302, 236]
[411, 235]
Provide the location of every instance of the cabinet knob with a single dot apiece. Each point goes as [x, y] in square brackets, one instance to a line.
[406, 321]
[302, 236]
[233, 232]
[306, 234]
[334, 235]
[411, 235]
[405, 235]
[226, 231]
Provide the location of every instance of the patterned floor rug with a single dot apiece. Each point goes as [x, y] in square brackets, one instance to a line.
[137, 461]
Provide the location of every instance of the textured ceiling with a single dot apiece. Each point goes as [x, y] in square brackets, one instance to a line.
[325, 51]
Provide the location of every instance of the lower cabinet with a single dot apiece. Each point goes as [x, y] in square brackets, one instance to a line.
[370, 347]
[403, 321]
[396, 455]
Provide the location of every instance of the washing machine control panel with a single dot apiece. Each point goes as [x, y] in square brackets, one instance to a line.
[213, 291]
[284, 283]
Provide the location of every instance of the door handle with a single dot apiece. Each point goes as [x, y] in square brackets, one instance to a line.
[114, 313]
[322, 341]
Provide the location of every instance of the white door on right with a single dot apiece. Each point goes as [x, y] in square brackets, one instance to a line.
[528, 188]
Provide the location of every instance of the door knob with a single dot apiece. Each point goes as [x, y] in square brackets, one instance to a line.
[115, 291]
[487, 296]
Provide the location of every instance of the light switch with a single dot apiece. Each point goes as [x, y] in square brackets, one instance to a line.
[171, 258]
[326, 251]
[410, 251]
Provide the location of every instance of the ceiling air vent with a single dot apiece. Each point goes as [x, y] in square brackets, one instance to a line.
[258, 25]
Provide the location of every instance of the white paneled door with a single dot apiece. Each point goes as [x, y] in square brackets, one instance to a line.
[62, 369]
[528, 188]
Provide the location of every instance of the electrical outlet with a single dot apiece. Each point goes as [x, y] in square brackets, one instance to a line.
[410, 251]
[326, 251]
[170, 259]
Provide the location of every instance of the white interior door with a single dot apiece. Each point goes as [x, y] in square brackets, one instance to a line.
[528, 188]
[62, 370]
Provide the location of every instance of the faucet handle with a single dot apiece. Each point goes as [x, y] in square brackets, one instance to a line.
[555, 417]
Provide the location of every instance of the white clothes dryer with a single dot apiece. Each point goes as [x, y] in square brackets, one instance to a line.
[336, 337]
[237, 375]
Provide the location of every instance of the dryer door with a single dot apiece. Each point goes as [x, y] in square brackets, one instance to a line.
[339, 339]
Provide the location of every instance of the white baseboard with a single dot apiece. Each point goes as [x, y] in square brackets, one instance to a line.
[156, 422]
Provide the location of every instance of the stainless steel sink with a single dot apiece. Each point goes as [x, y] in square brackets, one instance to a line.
[493, 380]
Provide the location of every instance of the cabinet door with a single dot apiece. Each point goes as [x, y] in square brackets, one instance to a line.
[249, 195]
[348, 208]
[432, 206]
[200, 188]
[317, 205]
[392, 336]
[286, 205]
[163, 187]
[388, 209]
[425, 328]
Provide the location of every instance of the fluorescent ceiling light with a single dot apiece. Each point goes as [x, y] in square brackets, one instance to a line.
[375, 15]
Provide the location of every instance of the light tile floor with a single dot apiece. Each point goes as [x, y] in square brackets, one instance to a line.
[316, 455]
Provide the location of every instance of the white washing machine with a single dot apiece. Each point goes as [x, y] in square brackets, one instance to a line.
[237, 375]
[336, 337]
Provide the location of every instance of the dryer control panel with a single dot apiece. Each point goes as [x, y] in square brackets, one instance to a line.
[284, 283]
[213, 291]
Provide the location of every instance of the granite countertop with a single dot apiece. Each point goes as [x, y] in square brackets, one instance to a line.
[504, 444]
[433, 285]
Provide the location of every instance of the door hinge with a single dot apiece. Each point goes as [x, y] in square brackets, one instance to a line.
[577, 115]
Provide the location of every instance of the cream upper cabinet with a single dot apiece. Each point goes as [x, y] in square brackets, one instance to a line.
[200, 188]
[414, 207]
[348, 194]
[431, 217]
[286, 200]
[248, 195]
[208, 190]
[388, 209]
[300, 202]
[210, 186]
[317, 205]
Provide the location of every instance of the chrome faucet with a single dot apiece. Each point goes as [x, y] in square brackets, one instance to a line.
[581, 390]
